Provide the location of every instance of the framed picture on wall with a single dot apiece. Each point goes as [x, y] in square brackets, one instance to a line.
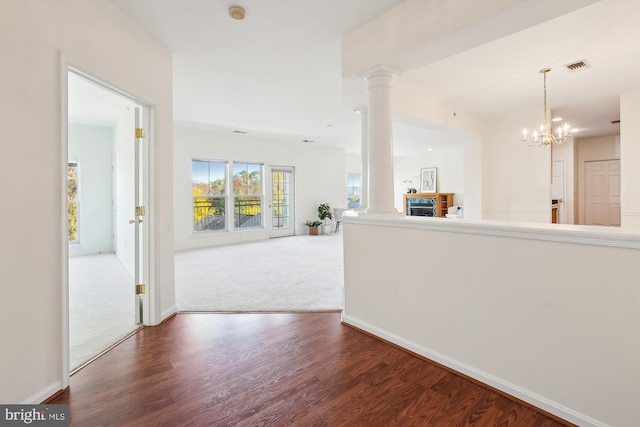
[428, 177]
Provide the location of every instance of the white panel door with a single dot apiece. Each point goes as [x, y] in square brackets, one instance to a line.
[602, 193]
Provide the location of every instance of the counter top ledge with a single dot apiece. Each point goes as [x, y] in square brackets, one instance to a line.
[565, 233]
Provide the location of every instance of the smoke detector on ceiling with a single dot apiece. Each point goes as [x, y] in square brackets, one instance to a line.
[237, 13]
[577, 66]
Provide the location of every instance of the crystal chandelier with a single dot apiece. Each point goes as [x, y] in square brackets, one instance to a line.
[545, 136]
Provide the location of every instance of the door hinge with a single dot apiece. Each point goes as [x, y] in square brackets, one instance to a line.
[141, 211]
[141, 289]
[141, 133]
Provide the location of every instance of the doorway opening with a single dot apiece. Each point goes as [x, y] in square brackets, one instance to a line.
[107, 191]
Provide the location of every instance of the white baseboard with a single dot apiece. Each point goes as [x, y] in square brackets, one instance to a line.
[484, 377]
[44, 394]
[168, 313]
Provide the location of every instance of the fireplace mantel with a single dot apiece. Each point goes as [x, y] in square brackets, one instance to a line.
[427, 204]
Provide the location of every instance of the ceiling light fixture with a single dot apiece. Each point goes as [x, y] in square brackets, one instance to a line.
[237, 13]
[546, 137]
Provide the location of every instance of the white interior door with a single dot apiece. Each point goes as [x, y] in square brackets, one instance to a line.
[129, 204]
[282, 201]
[602, 193]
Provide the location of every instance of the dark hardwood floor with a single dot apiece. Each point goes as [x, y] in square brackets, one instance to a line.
[277, 369]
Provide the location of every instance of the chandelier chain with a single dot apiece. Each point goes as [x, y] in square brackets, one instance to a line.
[546, 137]
[545, 97]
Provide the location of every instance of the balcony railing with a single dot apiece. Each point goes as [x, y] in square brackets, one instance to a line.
[209, 213]
[247, 212]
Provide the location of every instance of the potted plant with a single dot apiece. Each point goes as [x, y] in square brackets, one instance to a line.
[313, 227]
[324, 213]
[410, 187]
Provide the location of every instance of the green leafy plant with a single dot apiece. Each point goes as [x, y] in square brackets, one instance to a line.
[324, 212]
[313, 224]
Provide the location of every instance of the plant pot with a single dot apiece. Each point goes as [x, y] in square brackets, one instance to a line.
[326, 229]
[313, 231]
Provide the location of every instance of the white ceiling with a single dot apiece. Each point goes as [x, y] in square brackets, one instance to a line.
[503, 76]
[275, 74]
[278, 73]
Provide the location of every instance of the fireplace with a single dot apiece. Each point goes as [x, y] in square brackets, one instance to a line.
[421, 206]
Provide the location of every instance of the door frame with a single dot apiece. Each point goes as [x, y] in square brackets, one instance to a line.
[562, 215]
[269, 193]
[151, 302]
[141, 197]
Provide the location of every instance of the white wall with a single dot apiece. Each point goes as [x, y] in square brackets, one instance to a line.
[99, 39]
[588, 150]
[549, 315]
[630, 160]
[353, 163]
[320, 176]
[473, 203]
[516, 178]
[449, 162]
[503, 178]
[92, 147]
[457, 125]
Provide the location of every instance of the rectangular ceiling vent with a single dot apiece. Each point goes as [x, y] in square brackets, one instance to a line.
[577, 66]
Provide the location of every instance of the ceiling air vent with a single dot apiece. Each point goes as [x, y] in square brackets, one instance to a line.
[577, 66]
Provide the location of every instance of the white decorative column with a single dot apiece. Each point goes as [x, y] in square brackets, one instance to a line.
[380, 136]
[364, 153]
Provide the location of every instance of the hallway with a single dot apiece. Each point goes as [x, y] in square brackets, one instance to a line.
[277, 369]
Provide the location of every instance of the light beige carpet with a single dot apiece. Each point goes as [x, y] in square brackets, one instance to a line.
[299, 273]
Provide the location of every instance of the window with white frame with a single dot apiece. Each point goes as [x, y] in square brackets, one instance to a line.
[72, 202]
[353, 191]
[247, 195]
[209, 195]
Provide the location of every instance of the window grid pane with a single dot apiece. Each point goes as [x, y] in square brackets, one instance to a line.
[281, 212]
[209, 213]
[353, 191]
[72, 202]
[209, 195]
[247, 190]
